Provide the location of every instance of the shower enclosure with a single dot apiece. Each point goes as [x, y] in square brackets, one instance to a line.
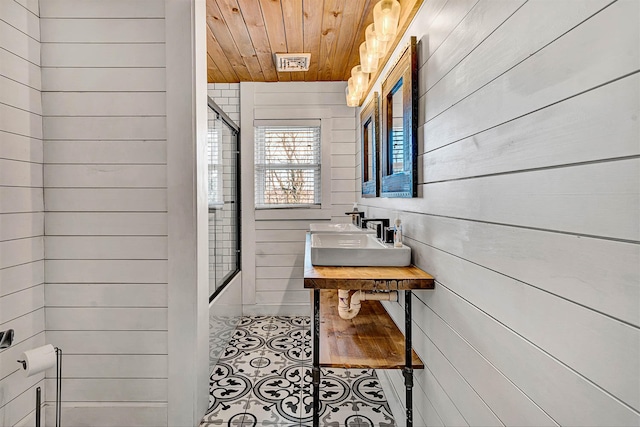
[224, 199]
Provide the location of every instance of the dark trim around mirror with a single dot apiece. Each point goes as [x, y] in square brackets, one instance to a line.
[370, 141]
[399, 165]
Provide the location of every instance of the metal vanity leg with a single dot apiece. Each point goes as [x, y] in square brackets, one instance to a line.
[408, 368]
[316, 357]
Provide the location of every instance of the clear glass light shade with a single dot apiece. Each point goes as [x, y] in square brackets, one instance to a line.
[353, 99]
[385, 17]
[374, 45]
[368, 62]
[353, 88]
[360, 79]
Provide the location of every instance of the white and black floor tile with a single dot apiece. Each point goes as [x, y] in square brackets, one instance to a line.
[263, 378]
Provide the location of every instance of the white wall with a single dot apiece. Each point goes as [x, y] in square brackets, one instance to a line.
[21, 205]
[527, 214]
[273, 248]
[105, 195]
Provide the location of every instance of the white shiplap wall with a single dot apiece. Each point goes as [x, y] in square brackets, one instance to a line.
[273, 249]
[527, 215]
[103, 94]
[21, 205]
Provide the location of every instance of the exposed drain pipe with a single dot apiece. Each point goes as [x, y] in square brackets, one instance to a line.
[348, 310]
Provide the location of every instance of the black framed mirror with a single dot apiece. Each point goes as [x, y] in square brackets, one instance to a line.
[399, 163]
[370, 137]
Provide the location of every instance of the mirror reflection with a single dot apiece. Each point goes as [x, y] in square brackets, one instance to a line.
[399, 151]
[368, 148]
[396, 145]
[369, 136]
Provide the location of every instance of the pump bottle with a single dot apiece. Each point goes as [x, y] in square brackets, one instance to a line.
[397, 234]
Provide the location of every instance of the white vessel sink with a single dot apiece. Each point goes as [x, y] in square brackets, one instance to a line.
[356, 250]
[334, 227]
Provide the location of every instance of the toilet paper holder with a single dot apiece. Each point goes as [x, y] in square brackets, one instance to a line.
[58, 365]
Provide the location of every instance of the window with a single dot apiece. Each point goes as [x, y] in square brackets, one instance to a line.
[287, 166]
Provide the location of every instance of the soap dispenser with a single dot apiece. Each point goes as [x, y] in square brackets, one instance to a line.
[397, 234]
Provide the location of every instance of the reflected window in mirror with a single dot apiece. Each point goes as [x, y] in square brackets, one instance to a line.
[399, 127]
[396, 147]
[368, 147]
[370, 135]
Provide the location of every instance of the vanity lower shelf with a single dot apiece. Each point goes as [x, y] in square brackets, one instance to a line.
[370, 340]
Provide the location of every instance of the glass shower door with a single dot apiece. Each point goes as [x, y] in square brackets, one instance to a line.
[223, 184]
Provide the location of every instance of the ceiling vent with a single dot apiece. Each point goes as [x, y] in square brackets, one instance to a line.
[292, 61]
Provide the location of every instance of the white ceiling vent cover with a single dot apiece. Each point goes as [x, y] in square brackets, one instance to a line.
[292, 61]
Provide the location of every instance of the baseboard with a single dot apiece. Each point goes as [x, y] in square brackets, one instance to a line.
[276, 310]
[396, 404]
[94, 414]
[30, 419]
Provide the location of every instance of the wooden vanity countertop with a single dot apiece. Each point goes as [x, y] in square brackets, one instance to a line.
[363, 278]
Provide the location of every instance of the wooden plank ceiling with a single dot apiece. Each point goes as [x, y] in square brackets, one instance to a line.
[243, 35]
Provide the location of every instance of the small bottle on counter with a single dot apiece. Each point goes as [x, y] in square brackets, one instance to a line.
[397, 234]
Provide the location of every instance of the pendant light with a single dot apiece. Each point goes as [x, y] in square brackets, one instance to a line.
[353, 89]
[378, 38]
[368, 62]
[374, 45]
[353, 99]
[360, 79]
[385, 17]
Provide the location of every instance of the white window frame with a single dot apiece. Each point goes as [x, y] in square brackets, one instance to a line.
[301, 118]
[290, 124]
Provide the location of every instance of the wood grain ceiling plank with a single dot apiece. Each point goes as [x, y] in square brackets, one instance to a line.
[217, 55]
[292, 17]
[312, 28]
[214, 75]
[221, 32]
[331, 20]
[256, 27]
[347, 37]
[365, 21]
[230, 10]
[274, 24]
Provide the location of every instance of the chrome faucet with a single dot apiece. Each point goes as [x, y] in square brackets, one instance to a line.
[378, 224]
[356, 217]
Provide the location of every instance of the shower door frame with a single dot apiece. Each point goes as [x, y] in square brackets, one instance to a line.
[235, 129]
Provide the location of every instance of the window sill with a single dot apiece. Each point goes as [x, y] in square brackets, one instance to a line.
[282, 214]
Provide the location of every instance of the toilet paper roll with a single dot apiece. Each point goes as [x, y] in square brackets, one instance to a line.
[39, 359]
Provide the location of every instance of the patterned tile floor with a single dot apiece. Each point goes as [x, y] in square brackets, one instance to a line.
[263, 378]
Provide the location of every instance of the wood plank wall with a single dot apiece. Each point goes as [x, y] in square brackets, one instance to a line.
[274, 249]
[21, 205]
[528, 213]
[105, 194]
